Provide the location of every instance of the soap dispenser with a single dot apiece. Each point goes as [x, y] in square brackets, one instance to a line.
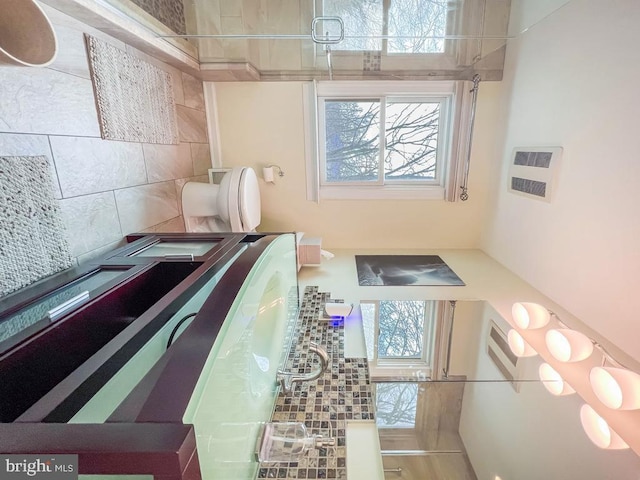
[288, 442]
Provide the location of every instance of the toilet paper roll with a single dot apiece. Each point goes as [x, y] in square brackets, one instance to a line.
[267, 174]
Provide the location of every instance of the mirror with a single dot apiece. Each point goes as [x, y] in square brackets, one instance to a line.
[438, 340]
[477, 423]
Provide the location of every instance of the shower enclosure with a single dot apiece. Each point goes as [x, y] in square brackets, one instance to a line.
[342, 39]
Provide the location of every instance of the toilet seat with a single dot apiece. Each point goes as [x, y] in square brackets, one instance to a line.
[249, 200]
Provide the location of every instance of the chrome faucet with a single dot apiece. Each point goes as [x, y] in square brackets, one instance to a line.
[287, 379]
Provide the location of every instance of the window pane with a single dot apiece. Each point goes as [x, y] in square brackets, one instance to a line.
[396, 404]
[362, 19]
[352, 140]
[369, 326]
[412, 22]
[401, 326]
[411, 141]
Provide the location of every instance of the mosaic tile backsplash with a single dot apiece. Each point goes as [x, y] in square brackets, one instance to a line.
[325, 405]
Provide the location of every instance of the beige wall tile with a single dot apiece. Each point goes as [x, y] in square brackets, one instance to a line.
[98, 252]
[59, 18]
[231, 25]
[201, 157]
[193, 92]
[175, 225]
[251, 11]
[208, 16]
[72, 53]
[40, 100]
[192, 125]
[90, 165]
[167, 162]
[230, 8]
[146, 205]
[210, 49]
[91, 222]
[234, 49]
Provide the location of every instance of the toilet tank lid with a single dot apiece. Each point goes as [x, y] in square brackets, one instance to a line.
[249, 199]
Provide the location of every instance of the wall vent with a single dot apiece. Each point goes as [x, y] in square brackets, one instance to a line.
[532, 171]
[502, 356]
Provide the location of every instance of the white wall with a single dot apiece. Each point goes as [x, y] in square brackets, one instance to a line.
[526, 13]
[531, 435]
[262, 123]
[572, 81]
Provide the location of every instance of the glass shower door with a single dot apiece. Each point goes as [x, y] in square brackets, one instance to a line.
[308, 39]
[266, 35]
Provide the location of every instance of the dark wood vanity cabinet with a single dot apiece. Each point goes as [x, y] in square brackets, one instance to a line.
[63, 338]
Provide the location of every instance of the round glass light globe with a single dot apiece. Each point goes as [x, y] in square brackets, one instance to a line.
[598, 430]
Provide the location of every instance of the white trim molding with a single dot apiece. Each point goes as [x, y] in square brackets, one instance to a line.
[213, 130]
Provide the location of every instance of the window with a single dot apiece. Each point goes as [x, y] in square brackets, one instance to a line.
[399, 332]
[396, 404]
[386, 140]
[393, 27]
[382, 141]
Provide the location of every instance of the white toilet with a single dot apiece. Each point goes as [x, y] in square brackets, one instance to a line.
[231, 206]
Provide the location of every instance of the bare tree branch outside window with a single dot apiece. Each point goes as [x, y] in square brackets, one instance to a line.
[363, 20]
[396, 404]
[352, 140]
[401, 325]
[414, 26]
[411, 140]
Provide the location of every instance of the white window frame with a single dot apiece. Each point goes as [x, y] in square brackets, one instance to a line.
[449, 138]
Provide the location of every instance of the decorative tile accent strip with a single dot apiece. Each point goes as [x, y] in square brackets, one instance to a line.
[371, 60]
[342, 393]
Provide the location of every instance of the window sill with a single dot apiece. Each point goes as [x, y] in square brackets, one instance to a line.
[385, 192]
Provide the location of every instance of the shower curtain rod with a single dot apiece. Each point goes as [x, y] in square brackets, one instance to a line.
[464, 195]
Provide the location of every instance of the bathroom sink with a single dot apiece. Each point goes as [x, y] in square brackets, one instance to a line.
[237, 388]
[268, 332]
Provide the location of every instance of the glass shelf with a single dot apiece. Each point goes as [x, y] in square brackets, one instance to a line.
[167, 248]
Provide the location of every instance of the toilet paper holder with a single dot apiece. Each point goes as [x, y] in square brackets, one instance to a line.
[268, 173]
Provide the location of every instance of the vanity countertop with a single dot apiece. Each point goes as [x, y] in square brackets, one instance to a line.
[338, 404]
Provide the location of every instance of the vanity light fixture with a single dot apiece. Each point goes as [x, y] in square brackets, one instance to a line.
[598, 430]
[528, 315]
[519, 345]
[553, 382]
[568, 345]
[617, 388]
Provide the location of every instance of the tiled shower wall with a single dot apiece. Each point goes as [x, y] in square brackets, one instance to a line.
[106, 189]
[169, 12]
[250, 17]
